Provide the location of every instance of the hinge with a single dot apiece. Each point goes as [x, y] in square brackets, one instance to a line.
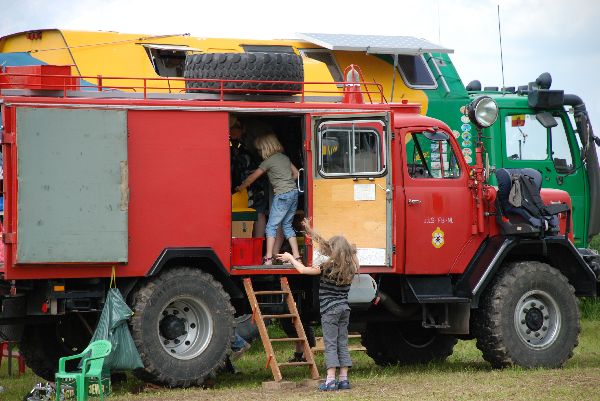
[307, 145]
[8, 137]
[393, 248]
[9, 238]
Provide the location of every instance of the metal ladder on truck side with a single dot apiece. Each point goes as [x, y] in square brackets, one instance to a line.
[259, 319]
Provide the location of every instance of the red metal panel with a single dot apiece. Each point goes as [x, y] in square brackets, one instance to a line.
[38, 77]
[179, 184]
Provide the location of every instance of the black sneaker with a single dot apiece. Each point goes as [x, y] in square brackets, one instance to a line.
[298, 357]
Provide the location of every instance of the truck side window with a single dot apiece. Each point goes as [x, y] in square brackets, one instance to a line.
[350, 149]
[430, 159]
[526, 138]
[415, 72]
[561, 151]
[325, 57]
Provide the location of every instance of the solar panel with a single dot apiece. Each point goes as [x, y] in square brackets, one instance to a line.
[374, 44]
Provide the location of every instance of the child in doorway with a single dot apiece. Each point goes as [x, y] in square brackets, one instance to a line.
[336, 272]
[282, 175]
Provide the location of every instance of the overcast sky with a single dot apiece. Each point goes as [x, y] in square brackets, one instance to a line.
[558, 36]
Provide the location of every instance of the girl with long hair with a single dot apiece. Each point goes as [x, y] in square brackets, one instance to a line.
[336, 274]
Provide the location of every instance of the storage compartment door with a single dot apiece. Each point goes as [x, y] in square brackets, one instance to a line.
[72, 186]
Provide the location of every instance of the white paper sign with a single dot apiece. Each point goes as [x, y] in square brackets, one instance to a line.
[364, 192]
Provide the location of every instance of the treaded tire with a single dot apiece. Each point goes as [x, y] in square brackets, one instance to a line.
[247, 67]
[406, 343]
[43, 345]
[534, 296]
[155, 300]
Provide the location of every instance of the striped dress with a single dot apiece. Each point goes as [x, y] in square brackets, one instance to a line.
[331, 294]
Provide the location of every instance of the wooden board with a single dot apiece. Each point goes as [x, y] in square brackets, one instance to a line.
[335, 211]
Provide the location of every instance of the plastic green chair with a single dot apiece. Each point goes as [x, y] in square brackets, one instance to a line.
[91, 368]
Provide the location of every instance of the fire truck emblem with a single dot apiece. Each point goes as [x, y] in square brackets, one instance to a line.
[437, 238]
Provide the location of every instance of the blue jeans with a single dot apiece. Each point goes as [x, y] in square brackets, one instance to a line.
[238, 343]
[282, 212]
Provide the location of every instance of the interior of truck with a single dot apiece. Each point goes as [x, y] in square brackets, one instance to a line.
[250, 208]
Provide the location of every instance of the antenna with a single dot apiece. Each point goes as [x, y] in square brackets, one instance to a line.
[439, 27]
[501, 58]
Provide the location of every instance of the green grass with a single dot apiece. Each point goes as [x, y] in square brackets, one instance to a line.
[464, 376]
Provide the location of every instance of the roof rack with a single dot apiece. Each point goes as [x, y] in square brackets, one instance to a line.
[57, 81]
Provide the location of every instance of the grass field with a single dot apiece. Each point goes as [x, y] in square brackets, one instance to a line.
[464, 376]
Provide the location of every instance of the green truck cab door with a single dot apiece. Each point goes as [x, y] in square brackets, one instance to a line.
[553, 151]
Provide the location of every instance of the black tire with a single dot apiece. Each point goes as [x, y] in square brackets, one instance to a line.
[247, 67]
[406, 343]
[43, 345]
[528, 317]
[182, 326]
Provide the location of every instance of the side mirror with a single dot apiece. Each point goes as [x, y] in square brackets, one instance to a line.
[546, 119]
[436, 136]
[482, 111]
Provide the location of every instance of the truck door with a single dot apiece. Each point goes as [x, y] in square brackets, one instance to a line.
[438, 202]
[350, 174]
[527, 143]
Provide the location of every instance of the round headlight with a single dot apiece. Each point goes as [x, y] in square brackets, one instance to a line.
[483, 111]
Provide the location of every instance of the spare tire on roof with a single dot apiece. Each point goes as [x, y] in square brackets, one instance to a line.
[246, 67]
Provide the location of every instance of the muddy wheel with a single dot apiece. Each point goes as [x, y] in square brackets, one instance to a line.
[528, 317]
[245, 67]
[182, 327]
[406, 343]
[43, 345]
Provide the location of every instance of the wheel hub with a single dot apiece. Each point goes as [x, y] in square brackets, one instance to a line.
[186, 328]
[537, 319]
[172, 327]
[534, 319]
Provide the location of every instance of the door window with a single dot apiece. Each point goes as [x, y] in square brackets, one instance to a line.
[561, 151]
[526, 138]
[429, 158]
[351, 149]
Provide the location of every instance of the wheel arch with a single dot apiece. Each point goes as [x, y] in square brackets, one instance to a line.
[202, 258]
[557, 252]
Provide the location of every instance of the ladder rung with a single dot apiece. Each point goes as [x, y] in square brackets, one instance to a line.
[269, 292]
[279, 316]
[294, 363]
[273, 340]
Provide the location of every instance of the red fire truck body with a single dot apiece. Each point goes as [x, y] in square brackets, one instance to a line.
[140, 185]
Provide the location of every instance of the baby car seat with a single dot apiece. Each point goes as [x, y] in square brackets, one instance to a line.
[532, 218]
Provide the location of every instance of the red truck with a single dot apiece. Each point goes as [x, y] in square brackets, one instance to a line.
[138, 184]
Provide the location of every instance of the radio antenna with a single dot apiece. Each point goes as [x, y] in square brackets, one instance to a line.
[439, 27]
[501, 58]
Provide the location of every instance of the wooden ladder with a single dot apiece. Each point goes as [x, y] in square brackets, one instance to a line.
[259, 319]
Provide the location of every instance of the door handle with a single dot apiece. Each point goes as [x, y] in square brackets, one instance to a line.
[414, 201]
[298, 180]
